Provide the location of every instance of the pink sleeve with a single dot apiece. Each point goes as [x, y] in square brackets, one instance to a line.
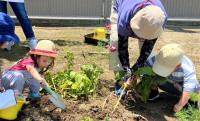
[26, 62]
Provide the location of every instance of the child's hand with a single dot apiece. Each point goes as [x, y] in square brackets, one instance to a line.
[177, 108]
[16, 93]
[43, 81]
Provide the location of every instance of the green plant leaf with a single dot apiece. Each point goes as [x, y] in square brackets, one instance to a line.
[119, 75]
[87, 119]
[72, 74]
[144, 70]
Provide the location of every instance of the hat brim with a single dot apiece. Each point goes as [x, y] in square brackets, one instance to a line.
[162, 70]
[54, 55]
[14, 37]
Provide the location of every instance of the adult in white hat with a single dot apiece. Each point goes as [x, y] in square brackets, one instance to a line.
[179, 71]
[142, 19]
[18, 7]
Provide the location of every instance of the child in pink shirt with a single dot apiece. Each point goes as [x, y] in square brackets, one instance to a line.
[27, 71]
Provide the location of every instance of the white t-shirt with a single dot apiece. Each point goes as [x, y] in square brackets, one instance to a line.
[22, 1]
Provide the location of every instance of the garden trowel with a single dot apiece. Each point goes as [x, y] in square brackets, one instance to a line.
[55, 98]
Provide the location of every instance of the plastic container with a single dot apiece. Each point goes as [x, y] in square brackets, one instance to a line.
[90, 40]
[100, 34]
[11, 113]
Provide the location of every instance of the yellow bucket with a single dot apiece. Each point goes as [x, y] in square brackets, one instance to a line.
[11, 113]
[100, 34]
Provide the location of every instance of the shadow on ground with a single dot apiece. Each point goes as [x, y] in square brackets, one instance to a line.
[183, 28]
[67, 43]
[152, 110]
[16, 53]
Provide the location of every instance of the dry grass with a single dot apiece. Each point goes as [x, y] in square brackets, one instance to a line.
[72, 38]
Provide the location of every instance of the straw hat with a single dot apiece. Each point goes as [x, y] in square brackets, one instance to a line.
[7, 29]
[147, 22]
[45, 47]
[169, 57]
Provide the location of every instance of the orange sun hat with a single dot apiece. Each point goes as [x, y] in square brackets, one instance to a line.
[46, 48]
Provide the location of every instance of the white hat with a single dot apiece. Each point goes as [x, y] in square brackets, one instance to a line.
[147, 22]
[46, 48]
[169, 57]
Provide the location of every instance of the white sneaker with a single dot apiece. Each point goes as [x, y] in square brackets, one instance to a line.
[32, 43]
[9, 45]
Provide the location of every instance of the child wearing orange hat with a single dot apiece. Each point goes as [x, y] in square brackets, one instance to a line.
[26, 72]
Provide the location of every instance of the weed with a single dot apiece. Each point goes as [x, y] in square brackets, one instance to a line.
[191, 113]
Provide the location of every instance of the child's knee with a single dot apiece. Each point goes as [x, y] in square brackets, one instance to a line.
[11, 79]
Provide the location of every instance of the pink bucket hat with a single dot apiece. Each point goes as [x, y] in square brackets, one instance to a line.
[147, 22]
[46, 48]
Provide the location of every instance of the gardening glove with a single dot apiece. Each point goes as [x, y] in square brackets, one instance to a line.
[127, 75]
[118, 84]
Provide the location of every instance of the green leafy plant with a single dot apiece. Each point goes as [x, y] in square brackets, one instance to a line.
[93, 72]
[73, 84]
[87, 119]
[70, 59]
[147, 77]
[191, 113]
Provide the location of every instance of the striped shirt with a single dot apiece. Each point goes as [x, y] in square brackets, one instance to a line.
[184, 76]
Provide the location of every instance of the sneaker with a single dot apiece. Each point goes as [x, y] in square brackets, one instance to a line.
[9, 45]
[119, 89]
[192, 104]
[34, 95]
[32, 43]
[154, 94]
[21, 96]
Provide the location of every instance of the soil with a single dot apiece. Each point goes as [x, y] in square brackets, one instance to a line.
[129, 109]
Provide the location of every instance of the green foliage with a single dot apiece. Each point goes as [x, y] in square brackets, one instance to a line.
[147, 77]
[93, 72]
[70, 59]
[191, 113]
[100, 47]
[146, 83]
[87, 119]
[144, 71]
[107, 119]
[119, 75]
[73, 84]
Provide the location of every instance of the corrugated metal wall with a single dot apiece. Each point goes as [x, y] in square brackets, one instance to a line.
[97, 8]
[182, 8]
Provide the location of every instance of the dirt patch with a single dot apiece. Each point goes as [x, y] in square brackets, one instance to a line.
[43, 109]
[130, 109]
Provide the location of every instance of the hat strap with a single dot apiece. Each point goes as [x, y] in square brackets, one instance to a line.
[145, 2]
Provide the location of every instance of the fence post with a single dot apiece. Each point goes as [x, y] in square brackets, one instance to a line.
[104, 11]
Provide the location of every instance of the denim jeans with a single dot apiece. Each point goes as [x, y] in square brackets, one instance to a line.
[21, 14]
[169, 87]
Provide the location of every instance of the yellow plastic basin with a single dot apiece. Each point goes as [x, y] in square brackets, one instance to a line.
[100, 34]
[11, 112]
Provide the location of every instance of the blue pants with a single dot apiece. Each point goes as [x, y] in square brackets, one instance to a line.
[21, 14]
[169, 87]
[19, 80]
